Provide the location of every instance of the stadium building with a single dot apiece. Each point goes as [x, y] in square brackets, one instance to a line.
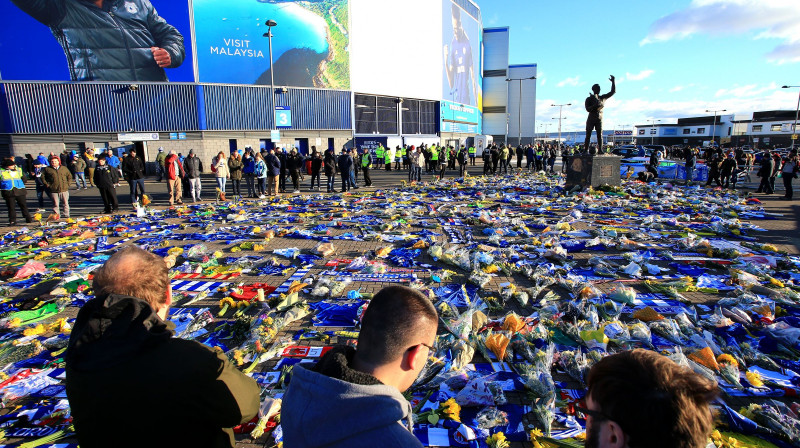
[205, 75]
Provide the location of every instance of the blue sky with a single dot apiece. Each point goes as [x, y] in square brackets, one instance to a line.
[671, 58]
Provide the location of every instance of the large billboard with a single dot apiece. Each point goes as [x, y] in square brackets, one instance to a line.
[392, 52]
[462, 77]
[151, 41]
[76, 40]
[309, 44]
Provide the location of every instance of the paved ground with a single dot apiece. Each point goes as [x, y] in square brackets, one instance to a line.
[782, 231]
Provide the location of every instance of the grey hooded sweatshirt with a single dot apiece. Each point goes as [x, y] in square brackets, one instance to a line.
[334, 406]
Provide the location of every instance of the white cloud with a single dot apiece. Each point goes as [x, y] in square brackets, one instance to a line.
[772, 19]
[493, 20]
[750, 90]
[570, 82]
[541, 78]
[676, 89]
[642, 75]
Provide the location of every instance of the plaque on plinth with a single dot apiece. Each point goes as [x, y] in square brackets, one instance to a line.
[588, 171]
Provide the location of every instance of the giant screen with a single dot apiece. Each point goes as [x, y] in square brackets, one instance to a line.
[151, 41]
[76, 40]
[462, 77]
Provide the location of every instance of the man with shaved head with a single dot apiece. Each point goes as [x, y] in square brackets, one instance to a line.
[130, 383]
[353, 397]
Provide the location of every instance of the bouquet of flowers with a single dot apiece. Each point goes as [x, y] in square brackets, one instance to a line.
[537, 380]
[776, 417]
[498, 344]
[575, 365]
[729, 370]
[497, 440]
[491, 417]
[544, 411]
[668, 329]
[479, 278]
[623, 294]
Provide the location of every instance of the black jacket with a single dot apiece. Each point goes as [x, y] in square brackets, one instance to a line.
[345, 163]
[191, 165]
[316, 165]
[105, 176]
[132, 168]
[110, 43]
[131, 384]
[767, 166]
[330, 163]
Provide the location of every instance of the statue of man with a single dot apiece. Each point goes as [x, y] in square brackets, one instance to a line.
[594, 105]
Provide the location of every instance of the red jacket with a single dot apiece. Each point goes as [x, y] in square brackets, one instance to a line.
[171, 163]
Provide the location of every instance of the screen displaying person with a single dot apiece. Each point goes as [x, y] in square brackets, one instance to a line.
[458, 63]
[110, 40]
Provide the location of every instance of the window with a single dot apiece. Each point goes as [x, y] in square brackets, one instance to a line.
[757, 128]
[641, 131]
[687, 131]
[701, 130]
[775, 128]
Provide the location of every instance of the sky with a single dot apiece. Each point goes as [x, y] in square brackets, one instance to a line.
[671, 58]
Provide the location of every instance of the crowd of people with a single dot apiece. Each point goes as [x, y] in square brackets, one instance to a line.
[269, 172]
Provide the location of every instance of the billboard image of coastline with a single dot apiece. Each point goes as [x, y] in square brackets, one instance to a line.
[462, 77]
[71, 40]
[310, 43]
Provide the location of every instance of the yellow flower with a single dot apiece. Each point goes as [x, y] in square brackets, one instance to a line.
[754, 378]
[727, 359]
[497, 440]
[451, 409]
[536, 433]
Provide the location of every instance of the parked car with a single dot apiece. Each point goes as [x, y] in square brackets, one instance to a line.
[661, 148]
[629, 151]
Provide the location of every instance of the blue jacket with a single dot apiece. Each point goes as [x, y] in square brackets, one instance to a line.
[345, 163]
[368, 414]
[249, 164]
[111, 43]
[10, 180]
[273, 165]
[113, 161]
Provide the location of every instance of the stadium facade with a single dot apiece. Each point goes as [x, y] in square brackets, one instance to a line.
[337, 73]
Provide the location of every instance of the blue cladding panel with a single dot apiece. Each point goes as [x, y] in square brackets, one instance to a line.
[249, 107]
[85, 108]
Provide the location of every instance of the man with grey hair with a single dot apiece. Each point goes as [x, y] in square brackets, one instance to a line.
[130, 383]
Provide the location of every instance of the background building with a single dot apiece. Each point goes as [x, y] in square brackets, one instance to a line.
[765, 129]
[509, 112]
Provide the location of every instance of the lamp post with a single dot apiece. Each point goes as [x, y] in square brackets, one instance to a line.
[559, 129]
[796, 113]
[268, 35]
[560, 108]
[519, 111]
[714, 126]
[653, 134]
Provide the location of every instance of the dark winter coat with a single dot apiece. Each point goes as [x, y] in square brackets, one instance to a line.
[105, 176]
[111, 43]
[130, 383]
